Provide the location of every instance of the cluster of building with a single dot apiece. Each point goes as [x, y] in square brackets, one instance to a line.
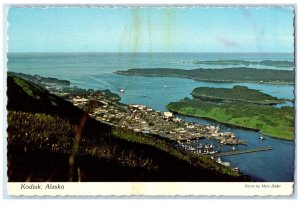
[165, 124]
[145, 120]
[109, 114]
[105, 107]
[100, 108]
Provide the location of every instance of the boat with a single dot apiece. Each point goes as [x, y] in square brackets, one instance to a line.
[261, 137]
[122, 90]
[233, 148]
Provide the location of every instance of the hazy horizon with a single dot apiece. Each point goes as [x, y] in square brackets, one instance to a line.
[66, 52]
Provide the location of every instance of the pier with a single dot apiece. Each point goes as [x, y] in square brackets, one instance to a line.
[230, 153]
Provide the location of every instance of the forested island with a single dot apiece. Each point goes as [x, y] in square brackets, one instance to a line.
[279, 64]
[237, 93]
[227, 75]
[227, 109]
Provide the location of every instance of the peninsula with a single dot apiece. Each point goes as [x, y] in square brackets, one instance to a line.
[227, 75]
[43, 81]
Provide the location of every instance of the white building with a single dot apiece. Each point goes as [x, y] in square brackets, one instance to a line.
[168, 114]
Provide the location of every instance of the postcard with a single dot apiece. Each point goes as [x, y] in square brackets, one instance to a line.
[150, 100]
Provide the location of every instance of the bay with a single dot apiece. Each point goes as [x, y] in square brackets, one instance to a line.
[96, 70]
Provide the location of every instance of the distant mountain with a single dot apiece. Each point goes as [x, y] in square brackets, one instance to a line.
[49, 139]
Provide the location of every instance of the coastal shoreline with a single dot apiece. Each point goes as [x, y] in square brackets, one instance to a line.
[228, 124]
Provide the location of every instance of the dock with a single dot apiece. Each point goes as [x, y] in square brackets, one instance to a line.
[230, 153]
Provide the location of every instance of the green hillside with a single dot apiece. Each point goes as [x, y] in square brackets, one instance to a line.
[237, 93]
[271, 121]
[49, 139]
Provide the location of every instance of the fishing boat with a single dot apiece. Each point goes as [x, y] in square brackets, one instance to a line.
[261, 137]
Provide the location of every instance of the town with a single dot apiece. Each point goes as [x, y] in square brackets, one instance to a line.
[104, 106]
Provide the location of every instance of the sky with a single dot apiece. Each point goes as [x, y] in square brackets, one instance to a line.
[151, 29]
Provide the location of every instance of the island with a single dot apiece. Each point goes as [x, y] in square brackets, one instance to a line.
[226, 75]
[269, 120]
[279, 64]
[237, 93]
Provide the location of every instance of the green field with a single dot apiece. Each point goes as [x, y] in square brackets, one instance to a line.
[271, 121]
[237, 93]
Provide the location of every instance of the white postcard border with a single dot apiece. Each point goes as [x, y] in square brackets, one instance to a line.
[150, 188]
[105, 189]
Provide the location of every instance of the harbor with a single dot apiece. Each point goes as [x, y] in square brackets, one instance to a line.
[143, 119]
[187, 136]
[150, 92]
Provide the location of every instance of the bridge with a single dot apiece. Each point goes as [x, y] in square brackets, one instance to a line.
[229, 153]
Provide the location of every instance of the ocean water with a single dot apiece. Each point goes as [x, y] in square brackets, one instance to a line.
[96, 70]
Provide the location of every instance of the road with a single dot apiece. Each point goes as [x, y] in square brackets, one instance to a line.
[128, 112]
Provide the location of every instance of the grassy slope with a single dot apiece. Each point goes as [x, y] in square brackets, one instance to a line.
[271, 121]
[220, 75]
[237, 93]
[41, 132]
